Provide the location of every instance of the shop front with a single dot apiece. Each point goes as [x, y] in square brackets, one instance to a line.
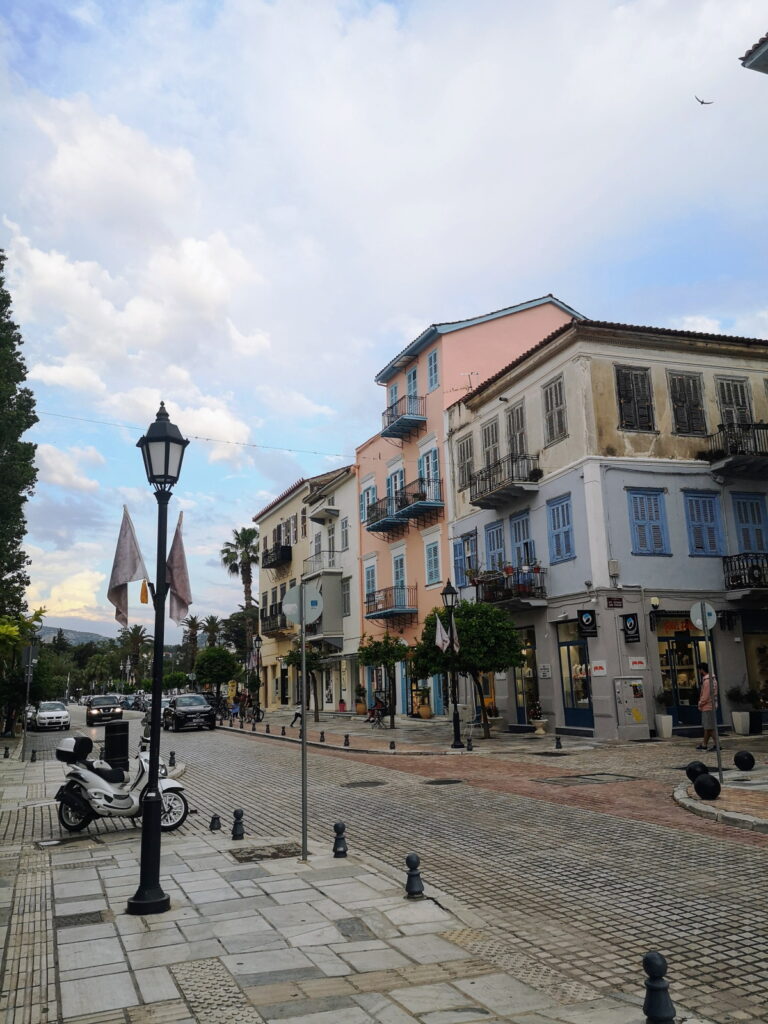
[575, 676]
[754, 627]
[682, 649]
[525, 677]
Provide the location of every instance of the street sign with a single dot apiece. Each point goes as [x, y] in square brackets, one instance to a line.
[709, 613]
[313, 604]
[191, 677]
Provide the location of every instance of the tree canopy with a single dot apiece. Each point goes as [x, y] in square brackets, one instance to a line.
[313, 658]
[19, 474]
[214, 667]
[387, 651]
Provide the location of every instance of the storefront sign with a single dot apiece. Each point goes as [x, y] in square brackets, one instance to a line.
[615, 602]
[587, 622]
[631, 628]
[637, 664]
[545, 671]
[598, 668]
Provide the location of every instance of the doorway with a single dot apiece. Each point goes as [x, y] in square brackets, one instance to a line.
[575, 677]
[525, 675]
[682, 649]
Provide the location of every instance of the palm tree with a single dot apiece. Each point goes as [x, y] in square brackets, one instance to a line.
[239, 556]
[192, 627]
[211, 626]
[135, 641]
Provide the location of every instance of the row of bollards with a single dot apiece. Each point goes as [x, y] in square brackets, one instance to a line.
[238, 825]
[705, 785]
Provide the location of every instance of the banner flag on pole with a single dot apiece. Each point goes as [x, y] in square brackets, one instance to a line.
[127, 567]
[177, 576]
[455, 638]
[441, 637]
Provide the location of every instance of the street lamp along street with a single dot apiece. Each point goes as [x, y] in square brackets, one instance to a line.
[450, 594]
[162, 448]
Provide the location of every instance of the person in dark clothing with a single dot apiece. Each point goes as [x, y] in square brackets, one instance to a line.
[297, 714]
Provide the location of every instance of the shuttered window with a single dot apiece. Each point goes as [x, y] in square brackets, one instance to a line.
[555, 425]
[704, 523]
[370, 580]
[516, 439]
[464, 557]
[687, 403]
[344, 533]
[432, 559]
[633, 391]
[367, 497]
[560, 528]
[749, 513]
[523, 551]
[432, 377]
[464, 456]
[735, 400]
[490, 442]
[648, 522]
[494, 545]
[410, 382]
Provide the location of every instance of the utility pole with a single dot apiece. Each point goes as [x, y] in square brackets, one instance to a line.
[29, 660]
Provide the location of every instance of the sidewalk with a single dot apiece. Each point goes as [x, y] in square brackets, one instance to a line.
[255, 935]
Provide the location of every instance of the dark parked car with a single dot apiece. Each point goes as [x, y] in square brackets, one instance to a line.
[189, 710]
[102, 709]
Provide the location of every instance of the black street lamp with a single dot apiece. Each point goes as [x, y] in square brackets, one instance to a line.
[162, 449]
[257, 645]
[449, 595]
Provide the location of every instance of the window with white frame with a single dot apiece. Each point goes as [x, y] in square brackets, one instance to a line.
[464, 455]
[432, 375]
[516, 436]
[346, 599]
[432, 561]
[303, 522]
[555, 423]
[490, 442]
[370, 580]
[344, 531]
[367, 498]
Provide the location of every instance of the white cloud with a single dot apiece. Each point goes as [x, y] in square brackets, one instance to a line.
[70, 375]
[289, 402]
[701, 324]
[61, 468]
[63, 586]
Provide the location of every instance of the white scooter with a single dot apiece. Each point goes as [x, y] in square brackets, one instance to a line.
[96, 790]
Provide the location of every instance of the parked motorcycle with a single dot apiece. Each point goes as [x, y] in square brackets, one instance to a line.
[94, 789]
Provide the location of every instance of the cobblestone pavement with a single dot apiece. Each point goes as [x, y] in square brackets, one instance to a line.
[585, 890]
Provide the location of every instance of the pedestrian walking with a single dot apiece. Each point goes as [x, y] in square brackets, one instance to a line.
[297, 713]
[707, 698]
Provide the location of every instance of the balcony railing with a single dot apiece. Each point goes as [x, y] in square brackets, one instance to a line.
[417, 497]
[280, 554]
[381, 516]
[518, 584]
[404, 416]
[495, 484]
[321, 561]
[391, 602]
[276, 623]
[739, 448]
[745, 572]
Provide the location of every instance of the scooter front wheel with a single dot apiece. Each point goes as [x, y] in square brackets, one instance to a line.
[174, 811]
[73, 820]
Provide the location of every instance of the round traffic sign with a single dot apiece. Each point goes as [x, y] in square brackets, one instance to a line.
[313, 604]
[709, 615]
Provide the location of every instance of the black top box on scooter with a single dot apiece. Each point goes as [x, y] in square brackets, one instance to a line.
[74, 748]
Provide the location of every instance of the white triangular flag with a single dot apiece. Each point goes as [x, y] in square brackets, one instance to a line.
[177, 577]
[441, 637]
[127, 567]
[455, 638]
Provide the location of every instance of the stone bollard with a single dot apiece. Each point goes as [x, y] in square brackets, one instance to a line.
[322, 736]
[658, 1006]
[7, 753]
[282, 730]
[34, 756]
[743, 760]
[231, 721]
[391, 744]
[266, 728]
[558, 743]
[414, 887]
[238, 828]
[340, 841]
[346, 739]
[215, 825]
[253, 725]
[172, 759]
[242, 723]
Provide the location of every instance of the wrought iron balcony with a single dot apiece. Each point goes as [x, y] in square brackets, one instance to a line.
[522, 586]
[404, 416]
[280, 554]
[276, 623]
[739, 449]
[422, 497]
[322, 561]
[391, 603]
[746, 572]
[382, 517]
[494, 485]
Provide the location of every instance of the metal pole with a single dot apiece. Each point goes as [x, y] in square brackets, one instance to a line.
[714, 691]
[457, 744]
[149, 897]
[304, 718]
[29, 661]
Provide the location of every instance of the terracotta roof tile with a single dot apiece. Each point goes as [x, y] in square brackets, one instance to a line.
[752, 49]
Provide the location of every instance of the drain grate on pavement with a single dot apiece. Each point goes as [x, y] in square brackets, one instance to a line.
[87, 917]
[246, 854]
[212, 992]
[443, 782]
[587, 780]
[363, 784]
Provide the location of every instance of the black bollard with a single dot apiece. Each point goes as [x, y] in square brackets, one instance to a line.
[301, 732]
[172, 759]
[743, 760]
[658, 1006]
[346, 739]
[266, 728]
[469, 743]
[7, 752]
[34, 756]
[694, 769]
[215, 825]
[706, 786]
[322, 736]
[340, 841]
[558, 743]
[282, 730]
[242, 723]
[391, 744]
[253, 725]
[414, 887]
[238, 828]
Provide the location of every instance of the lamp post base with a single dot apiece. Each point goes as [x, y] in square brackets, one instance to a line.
[457, 744]
[151, 901]
[149, 898]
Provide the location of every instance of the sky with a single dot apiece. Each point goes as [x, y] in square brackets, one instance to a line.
[245, 208]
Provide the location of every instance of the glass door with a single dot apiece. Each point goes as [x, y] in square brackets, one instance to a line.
[680, 656]
[526, 679]
[574, 674]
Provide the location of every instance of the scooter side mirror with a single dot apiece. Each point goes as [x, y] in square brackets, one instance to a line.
[147, 732]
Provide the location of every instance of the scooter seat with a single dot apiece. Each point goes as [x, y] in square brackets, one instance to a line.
[106, 772]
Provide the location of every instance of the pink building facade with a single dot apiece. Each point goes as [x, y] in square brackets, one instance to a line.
[404, 508]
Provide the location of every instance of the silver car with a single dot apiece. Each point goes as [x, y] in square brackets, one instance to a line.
[50, 714]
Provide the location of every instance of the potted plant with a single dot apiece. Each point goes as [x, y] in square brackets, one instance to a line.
[425, 708]
[536, 718]
[360, 708]
[664, 720]
[342, 704]
[746, 715]
[536, 474]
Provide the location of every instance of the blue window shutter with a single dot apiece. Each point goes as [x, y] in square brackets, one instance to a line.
[459, 575]
[749, 512]
[648, 522]
[422, 474]
[560, 529]
[702, 516]
[494, 545]
[362, 506]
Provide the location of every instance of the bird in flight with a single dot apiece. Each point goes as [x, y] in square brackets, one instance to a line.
[704, 103]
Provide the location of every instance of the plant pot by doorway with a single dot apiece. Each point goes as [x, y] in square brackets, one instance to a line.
[359, 707]
[425, 710]
[740, 721]
[664, 725]
[539, 726]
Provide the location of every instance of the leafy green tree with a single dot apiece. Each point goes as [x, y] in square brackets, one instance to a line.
[17, 458]
[60, 644]
[235, 632]
[211, 626]
[214, 667]
[239, 556]
[387, 652]
[488, 642]
[189, 644]
[314, 663]
[16, 633]
[175, 681]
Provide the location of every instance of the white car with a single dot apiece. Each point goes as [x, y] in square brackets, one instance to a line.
[50, 714]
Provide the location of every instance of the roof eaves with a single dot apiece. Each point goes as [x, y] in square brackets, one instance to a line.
[751, 52]
[281, 497]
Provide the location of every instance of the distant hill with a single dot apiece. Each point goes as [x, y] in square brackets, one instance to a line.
[74, 636]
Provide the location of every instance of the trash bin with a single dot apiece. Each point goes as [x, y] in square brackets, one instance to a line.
[116, 744]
